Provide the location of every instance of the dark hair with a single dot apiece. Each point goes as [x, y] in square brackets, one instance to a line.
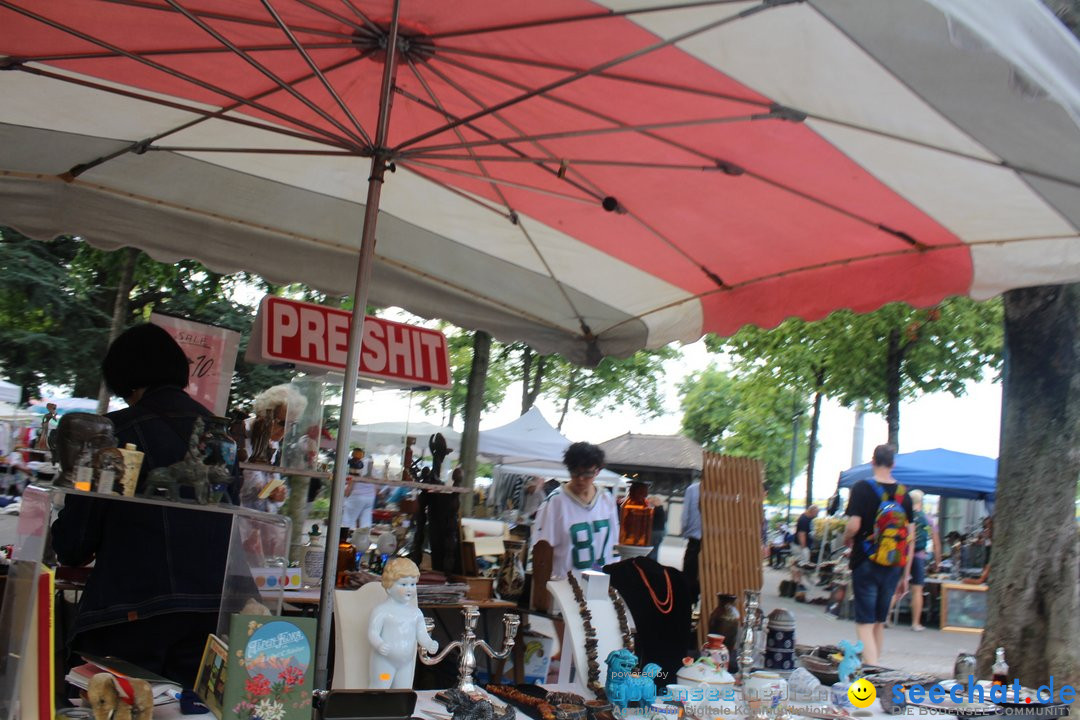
[884, 456]
[144, 356]
[583, 455]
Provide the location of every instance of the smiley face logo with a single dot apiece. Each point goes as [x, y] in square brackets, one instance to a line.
[862, 693]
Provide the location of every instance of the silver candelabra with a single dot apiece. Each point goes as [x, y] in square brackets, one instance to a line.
[469, 644]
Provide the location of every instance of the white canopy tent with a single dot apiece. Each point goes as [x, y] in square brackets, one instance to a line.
[10, 392]
[529, 437]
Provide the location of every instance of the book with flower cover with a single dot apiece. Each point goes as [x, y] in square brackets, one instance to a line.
[270, 666]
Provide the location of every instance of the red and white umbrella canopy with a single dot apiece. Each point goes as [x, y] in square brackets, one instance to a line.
[590, 179]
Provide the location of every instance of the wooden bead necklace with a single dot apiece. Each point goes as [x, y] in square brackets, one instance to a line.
[620, 612]
[593, 681]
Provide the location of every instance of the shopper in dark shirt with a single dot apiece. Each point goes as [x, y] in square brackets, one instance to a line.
[874, 584]
[659, 525]
[803, 538]
[155, 590]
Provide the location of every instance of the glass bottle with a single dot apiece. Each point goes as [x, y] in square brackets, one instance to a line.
[635, 517]
[724, 621]
[314, 558]
[1001, 668]
[346, 557]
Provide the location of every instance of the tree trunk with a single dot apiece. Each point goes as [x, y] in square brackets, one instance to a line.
[120, 312]
[570, 387]
[893, 362]
[474, 404]
[811, 451]
[531, 380]
[526, 375]
[296, 508]
[1034, 607]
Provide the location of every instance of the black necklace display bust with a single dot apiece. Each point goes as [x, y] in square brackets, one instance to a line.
[659, 600]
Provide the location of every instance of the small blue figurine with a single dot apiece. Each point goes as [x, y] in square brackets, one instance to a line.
[623, 686]
[851, 662]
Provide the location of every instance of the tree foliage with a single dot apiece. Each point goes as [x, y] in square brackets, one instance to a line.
[879, 359]
[56, 300]
[631, 382]
[746, 417]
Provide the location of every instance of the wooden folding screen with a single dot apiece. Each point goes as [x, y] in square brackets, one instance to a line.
[732, 492]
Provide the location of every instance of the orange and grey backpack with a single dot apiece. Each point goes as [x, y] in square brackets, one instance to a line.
[888, 544]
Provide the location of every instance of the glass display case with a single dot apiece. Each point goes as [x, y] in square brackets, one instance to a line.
[255, 566]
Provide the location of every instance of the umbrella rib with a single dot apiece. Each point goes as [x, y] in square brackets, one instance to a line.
[410, 162]
[561, 173]
[334, 16]
[457, 131]
[262, 151]
[232, 18]
[143, 144]
[420, 101]
[376, 30]
[1035, 173]
[573, 77]
[456, 191]
[317, 72]
[583, 17]
[722, 165]
[593, 132]
[586, 111]
[785, 273]
[170, 71]
[180, 51]
[265, 71]
[594, 191]
[835, 263]
[206, 115]
[474, 293]
[513, 214]
[621, 77]
[948, 151]
[568, 162]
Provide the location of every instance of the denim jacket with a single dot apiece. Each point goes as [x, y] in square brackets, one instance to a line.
[149, 560]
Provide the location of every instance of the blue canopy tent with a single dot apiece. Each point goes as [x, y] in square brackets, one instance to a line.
[938, 472]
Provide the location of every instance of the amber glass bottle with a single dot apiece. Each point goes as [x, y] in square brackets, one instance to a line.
[635, 516]
[346, 557]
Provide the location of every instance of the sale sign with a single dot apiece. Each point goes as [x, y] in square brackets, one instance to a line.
[211, 354]
[317, 337]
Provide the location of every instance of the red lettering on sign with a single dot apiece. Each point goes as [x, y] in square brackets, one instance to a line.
[316, 336]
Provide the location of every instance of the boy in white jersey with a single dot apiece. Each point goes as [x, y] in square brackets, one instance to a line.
[580, 521]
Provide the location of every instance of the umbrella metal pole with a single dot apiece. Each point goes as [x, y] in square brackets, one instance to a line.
[352, 360]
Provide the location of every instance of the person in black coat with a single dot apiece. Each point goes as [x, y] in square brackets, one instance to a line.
[155, 589]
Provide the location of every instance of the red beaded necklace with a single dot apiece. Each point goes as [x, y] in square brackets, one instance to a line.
[667, 605]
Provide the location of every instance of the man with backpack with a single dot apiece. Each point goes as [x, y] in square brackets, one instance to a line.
[880, 533]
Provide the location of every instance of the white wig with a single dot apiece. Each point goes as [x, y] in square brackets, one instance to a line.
[277, 395]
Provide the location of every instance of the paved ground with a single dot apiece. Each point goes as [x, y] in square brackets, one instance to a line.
[928, 651]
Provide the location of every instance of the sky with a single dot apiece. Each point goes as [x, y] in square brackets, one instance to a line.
[966, 424]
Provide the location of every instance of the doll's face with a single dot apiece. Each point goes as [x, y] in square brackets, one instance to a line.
[403, 590]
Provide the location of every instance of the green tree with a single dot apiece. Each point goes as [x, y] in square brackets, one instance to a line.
[879, 359]
[57, 300]
[631, 382]
[450, 404]
[50, 327]
[745, 417]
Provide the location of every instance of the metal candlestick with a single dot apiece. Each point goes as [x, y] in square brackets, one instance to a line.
[753, 633]
[468, 644]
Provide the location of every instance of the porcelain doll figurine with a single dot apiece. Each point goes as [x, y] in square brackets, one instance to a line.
[396, 628]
